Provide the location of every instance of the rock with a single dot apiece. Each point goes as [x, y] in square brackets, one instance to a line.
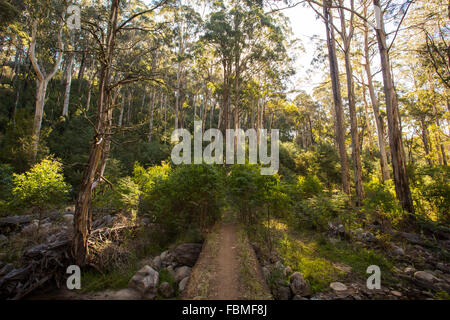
[187, 254]
[396, 293]
[443, 267]
[409, 270]
[297, 297]
[145, 280]
[287, 271]
[279, 265]
[182, 284]
[6, 269]
[145, 221]
[149, 296]
[282, 293]
[3, 238]
[124, 294]
[68, 219]
[171, 271]
[425, 277]
[157, 262]
[31, 228]
[338, 286]
[298, 285]
[166, 290]
[163, 255]
[398, 251]
[182, 272]
[266, 273]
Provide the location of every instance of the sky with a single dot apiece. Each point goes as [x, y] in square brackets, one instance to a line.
[304, 26]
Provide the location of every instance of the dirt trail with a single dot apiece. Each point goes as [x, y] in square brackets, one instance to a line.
[226, 282]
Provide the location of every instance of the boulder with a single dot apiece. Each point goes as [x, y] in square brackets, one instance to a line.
[287, 271]
[182, 272]
[68, 218]
[425, 277]
[338, 286]
[187, 254]
[298, 285]
[124, 294]
[157, 263]
[183, 283]
[409, 270]
[145, 280]
[166, 290]
[31, 228]
[398, 251]
[171, 271]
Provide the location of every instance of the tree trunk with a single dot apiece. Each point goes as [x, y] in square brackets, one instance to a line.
[356, 151]
[41, 86]
[337, 99]
[99, 147]
[395, 135]
[69, 71]
[375, 106]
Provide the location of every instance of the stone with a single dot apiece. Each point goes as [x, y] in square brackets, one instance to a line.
[425, 277]
[183, 283]
[124, 294]
[145, 221]
[68, 219]
[338, 286]
[166, 290]
[443, 267]
[3, 238]
[297, 297]
[6, 269]
[145, 280]
[182, 272]
[266, 273]
[279, 265]
[163, 255]
[396, 293]
[298, 285]
[398, 251]
[282, 293]
[171, 271]
[187, 254]
[409, 270]
[287, 271]
[149, 296]
[31, 228]
[157, 262]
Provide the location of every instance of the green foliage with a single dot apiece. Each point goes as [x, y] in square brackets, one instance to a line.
[253, 194]
[42, 187]
[381, 198]
[431, 192]
[190, 196]
[317, 211]
[309, 186]
[147, 178]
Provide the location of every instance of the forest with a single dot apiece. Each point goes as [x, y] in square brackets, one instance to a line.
[95, 97]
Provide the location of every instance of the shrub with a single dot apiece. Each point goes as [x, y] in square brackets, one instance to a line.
[43, 187]
[188, 197]
[254, 194]
[317, 211]
[431, 192]
[309, 186]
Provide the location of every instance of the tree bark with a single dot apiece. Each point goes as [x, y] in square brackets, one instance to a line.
[99, 147]
[356, 151]
[395, 135]
[42, 80]
[337, 99]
